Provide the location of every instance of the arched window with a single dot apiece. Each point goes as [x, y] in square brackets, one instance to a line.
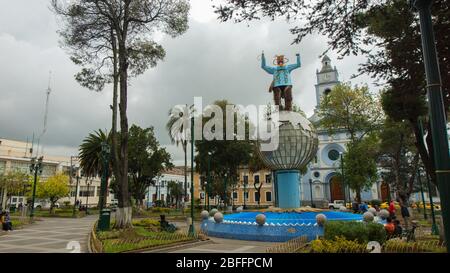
[327, 91]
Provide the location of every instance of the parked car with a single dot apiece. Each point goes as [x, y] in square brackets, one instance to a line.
[44, 205]
[336, 204]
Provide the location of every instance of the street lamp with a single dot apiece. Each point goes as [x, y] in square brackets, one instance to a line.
[423, 196]
[88, 183]
[35, 167]
[436, 109]
[208, 178]
[310, 189]
[191, 227]
[343, 178]
[225, 192]
[245, 191]
[434, 227]
[76, 174]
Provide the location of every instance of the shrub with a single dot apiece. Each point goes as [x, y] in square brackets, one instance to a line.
[338, 245]
[359, 231]
[375, 202]
[399, 246]
[146, 223]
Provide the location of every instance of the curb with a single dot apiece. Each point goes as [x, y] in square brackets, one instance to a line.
[163, 249]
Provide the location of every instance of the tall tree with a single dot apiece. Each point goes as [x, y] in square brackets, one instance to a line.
[227, 156]
[90, 156]
[360, 166]
[175, 191]
[352, 109]
[178, 127]
[147, 159]
[119, 31]
[398, 157]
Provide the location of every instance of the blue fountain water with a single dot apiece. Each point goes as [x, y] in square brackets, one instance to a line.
[279, 227]
[292, 217]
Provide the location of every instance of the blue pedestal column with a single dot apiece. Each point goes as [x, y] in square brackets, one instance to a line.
[287, 188]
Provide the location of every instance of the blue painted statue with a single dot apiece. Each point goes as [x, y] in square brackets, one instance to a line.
[282, 83]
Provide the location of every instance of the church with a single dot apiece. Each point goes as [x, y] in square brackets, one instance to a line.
[321, 184]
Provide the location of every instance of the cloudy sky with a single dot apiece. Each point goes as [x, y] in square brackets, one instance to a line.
[212, 60]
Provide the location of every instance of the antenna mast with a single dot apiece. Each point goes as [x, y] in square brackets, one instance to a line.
[48, 92]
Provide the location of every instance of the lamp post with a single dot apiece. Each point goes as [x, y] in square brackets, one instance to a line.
[310, 190]
[423, 196]
[208, 178]
[88, 183]
[75, 172]
[434, 227]
[245, 191]
[343, 178]
[35, 167]
[191, 227]
[436, 109]
[225, 192]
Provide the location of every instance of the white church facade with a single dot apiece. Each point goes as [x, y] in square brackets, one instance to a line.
[321, 183]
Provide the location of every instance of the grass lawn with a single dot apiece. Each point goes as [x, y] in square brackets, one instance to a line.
[144, 234]
[64, 213]
[19, 222]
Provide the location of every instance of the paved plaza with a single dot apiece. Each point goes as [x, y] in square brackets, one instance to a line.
[51, 235]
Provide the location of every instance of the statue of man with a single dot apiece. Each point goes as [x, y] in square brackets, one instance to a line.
[282, 84]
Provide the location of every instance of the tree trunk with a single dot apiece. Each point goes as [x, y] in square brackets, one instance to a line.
[124, 212]
[425, 155]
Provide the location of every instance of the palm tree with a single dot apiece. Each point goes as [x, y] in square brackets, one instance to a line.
[178, 127]
[90, 156]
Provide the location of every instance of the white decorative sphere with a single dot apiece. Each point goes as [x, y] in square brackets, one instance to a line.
[383, 214]
[213, 212]
[321, 219]
[260, 219]
[368, 216]
[373, 211]
[342, 208]
[204, 215]
[218, 217]
[296, 146]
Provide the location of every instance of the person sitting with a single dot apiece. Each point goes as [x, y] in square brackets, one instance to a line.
[389, 227]
[398, 228]
[6, 222]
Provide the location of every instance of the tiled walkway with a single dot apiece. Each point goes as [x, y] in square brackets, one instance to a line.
[57, 235]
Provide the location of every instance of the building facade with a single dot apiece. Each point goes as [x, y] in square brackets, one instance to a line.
[321, 184]
[17, 155]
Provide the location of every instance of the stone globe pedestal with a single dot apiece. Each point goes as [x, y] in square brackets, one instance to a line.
[296, 144]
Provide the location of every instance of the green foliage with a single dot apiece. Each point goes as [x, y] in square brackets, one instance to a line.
[15, 182]
[360, 166]
[353, 109]
[90, 153]
[399, 246]
[226, 156]
[399, 156]
[55, 188]
[375, 202]
[338, 245]
[146, 160]
[359, 231]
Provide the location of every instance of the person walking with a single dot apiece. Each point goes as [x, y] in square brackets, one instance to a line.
[405, 212]
[391, 209]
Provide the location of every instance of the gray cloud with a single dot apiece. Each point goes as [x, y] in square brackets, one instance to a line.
[212, 60]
